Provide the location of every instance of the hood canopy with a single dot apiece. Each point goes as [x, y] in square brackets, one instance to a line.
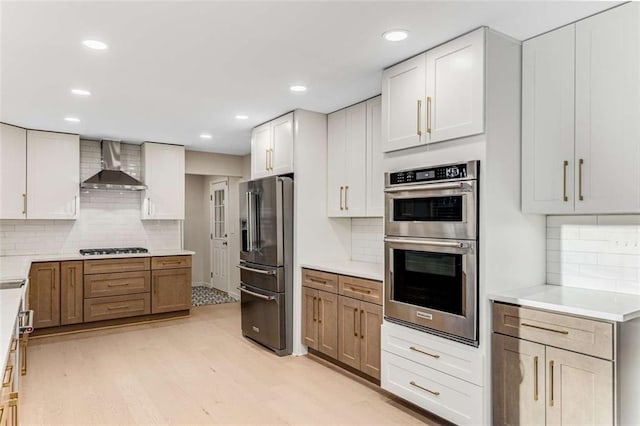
[111, 177]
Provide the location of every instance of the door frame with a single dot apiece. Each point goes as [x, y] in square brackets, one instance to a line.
[216, 186]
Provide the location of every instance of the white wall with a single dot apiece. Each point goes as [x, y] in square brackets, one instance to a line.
[596, 252]
[196, 226]
[207, 163]
[106, 218]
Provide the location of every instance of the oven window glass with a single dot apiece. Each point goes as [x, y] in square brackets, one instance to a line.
[428, 209]
[429, 280]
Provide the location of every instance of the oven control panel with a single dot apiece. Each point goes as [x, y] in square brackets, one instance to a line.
[451, 172]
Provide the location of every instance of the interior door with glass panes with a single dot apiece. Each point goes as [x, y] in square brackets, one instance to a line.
[219, 242]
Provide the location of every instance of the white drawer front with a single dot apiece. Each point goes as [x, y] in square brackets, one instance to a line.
[455, 400]
[456, 359]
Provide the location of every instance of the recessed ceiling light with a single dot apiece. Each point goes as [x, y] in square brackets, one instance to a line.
[95, 44]
[80, 92]
[205, 136]
[72, 119]
[241, 117]
[395, 35]
[298, 88]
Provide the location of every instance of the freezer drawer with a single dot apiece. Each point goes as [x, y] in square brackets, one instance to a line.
[263, 317]
[263, 277]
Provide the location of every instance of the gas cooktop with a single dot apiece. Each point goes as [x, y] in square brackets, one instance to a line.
[123, 250]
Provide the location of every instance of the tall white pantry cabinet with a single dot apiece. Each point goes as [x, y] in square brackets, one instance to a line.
[40, 174]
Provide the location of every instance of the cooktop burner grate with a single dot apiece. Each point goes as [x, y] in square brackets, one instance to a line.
[123, 250]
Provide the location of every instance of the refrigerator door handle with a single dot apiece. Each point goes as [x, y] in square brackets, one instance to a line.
[258, 295]
[249, 196]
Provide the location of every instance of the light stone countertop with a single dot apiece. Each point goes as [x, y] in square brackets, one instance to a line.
[371, 271]
[9, 307]
[597, 304]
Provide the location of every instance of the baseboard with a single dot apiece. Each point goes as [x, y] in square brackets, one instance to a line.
[201, 284]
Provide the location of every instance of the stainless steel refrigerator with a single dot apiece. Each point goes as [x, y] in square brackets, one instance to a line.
[266, 262]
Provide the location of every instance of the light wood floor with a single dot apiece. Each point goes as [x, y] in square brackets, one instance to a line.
[197, 370]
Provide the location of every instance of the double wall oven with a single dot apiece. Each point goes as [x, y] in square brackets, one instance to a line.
[431, 249]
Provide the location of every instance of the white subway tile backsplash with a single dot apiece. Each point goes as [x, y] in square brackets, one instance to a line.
[596, 252]
[106, 218]
[367, 240]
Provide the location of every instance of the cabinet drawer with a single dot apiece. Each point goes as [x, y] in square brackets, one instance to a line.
[320, 280]
[104, 308]
[103, 266]
[582, 335]
[453, 399]
[358, 288]
[453, 358]
[170, 262]
[99, 285]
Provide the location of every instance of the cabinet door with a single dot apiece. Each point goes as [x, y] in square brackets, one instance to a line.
[53, 175]
[281, 156]
[71, 292]
[370, 323]
[336, 162]
[518, 381]
[607, 146]
[548, 122]
[13, 172]
[349, 331]
[260, 151]
[44, 294]
[455, 88]
[375, 171]
[328, 323]
[171, 290]
[309, 317]
[579, 389]
[164, 176]
[356, 160]
[403, 104]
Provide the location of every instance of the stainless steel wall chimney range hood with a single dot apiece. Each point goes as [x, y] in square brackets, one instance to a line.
[111, 177]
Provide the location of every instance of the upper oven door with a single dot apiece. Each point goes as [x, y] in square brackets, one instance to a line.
[436, 210]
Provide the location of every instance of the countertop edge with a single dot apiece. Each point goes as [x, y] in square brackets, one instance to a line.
[345, 269]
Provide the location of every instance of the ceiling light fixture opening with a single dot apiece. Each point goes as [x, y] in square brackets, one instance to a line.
[298, 88]
[241, 117]
[95, 44]
[205, 136]
[72, 119]
[80, 92]
[395, 35]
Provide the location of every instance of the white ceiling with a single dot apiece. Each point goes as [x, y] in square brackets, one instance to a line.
[178, 69]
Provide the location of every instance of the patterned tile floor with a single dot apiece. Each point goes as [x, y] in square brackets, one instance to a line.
[209, 296]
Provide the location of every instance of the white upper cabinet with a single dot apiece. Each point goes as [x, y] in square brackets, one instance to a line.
[608, 112]
[354, 174]
[13, 172]
[272, 148]
[403, 109]
[435, 96]
[548, 122]
[594, 168]
[53, 175]
[455, 88]
[163, 173]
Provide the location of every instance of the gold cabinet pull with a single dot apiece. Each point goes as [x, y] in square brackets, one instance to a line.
[316, 280]
[14, 345]
[346, 199]
[313, 309]
[12, 403]
[270, 159]
[580, 164]
[117, 285]
[412, 383]
[429, 114]
[341, 191]
[319, 313]
[535, 378]
[360, 290]
[355, 319]
[551, 373]
[266, 160]
[361, 322]
[113, 308]
[419, 113]
[524, 324]
[24, 203]
[413, 348]
[7, 378]
[565, 198]
[2, 411]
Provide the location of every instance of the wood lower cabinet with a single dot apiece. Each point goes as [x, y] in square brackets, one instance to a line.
[359, 335]
[113, 307]
[44, 294]
[171, 290]
[71, 292]
[320, 316]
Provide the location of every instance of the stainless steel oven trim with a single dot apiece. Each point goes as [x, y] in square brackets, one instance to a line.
[472, 173]
[464, 326]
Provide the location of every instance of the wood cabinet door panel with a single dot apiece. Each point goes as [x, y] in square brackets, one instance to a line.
[71, 292]
[309, 317]
[370, 322]
[44, 294]
[349, 331]
[112, 307]
[328, 323]
[171, 290]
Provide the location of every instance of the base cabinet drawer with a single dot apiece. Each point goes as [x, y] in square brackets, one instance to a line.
[120, 283]
[170, 262]
[448, 397]
[105, 266]
[320, 280]
[112, 307]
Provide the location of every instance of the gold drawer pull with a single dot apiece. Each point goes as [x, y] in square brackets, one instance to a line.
[535, 378]
[418, 111]
[113, 308]
[524, 324]
[412, 383]
[2, 411]
[170, 262]
[360, 290]
[355, 327]
[8, 376]
[315, 280]
[413, 348]
[14, 345]
[118, 285]
[551, 364]
[565, 198]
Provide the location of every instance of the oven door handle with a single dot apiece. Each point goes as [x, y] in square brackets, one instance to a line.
[462, 186]
[454, 244]
[258, 295]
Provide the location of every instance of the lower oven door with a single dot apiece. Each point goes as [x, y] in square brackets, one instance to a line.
[433, 284]
[263, 316]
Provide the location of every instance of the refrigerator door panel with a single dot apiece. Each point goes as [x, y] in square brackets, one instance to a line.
[263, 316]
[263, 277]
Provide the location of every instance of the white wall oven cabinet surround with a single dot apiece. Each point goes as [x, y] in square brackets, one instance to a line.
[40, 174]
[163, 173]
[566, 171]
[435, 96]
[272, 148]
[438, 375]
[354, 174]
[431, 249]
